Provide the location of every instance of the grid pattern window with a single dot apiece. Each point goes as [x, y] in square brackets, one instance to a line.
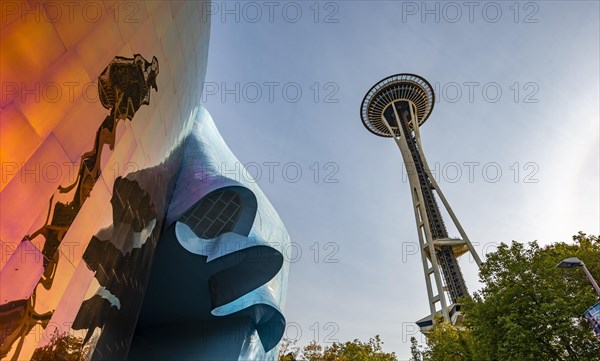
[215, 214]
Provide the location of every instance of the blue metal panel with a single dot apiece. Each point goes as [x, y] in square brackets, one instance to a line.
[237, 279]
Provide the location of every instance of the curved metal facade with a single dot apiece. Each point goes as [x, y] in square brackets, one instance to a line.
[97, 115]
[230, 288]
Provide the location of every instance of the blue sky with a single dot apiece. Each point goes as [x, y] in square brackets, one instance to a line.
[517, 89]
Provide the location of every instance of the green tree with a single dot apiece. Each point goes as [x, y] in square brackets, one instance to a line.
[528, 309]
[288, 351]
[415, 350]
[349, 351]
[312, 352]
[447, 343]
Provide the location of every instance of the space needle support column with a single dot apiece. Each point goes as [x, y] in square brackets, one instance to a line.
[422, 221]
[459, 227]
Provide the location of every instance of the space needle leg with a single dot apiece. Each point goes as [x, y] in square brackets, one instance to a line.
[438, 190]
[423, 227]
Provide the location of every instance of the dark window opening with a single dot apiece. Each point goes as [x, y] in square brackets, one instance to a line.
[215, 214]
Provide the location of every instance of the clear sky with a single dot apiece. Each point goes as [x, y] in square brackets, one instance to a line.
[513, 139]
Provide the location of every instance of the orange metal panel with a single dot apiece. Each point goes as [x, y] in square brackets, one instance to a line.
[100, 46]
[28, 193]
[27, 49]
[18, 141]
[64, 83]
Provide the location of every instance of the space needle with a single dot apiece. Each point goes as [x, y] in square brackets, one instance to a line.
[395, 108]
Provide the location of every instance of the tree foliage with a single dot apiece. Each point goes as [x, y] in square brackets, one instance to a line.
[528, 309]
[349, 351]
[447, 343]
[415, 350]
[288, 351]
